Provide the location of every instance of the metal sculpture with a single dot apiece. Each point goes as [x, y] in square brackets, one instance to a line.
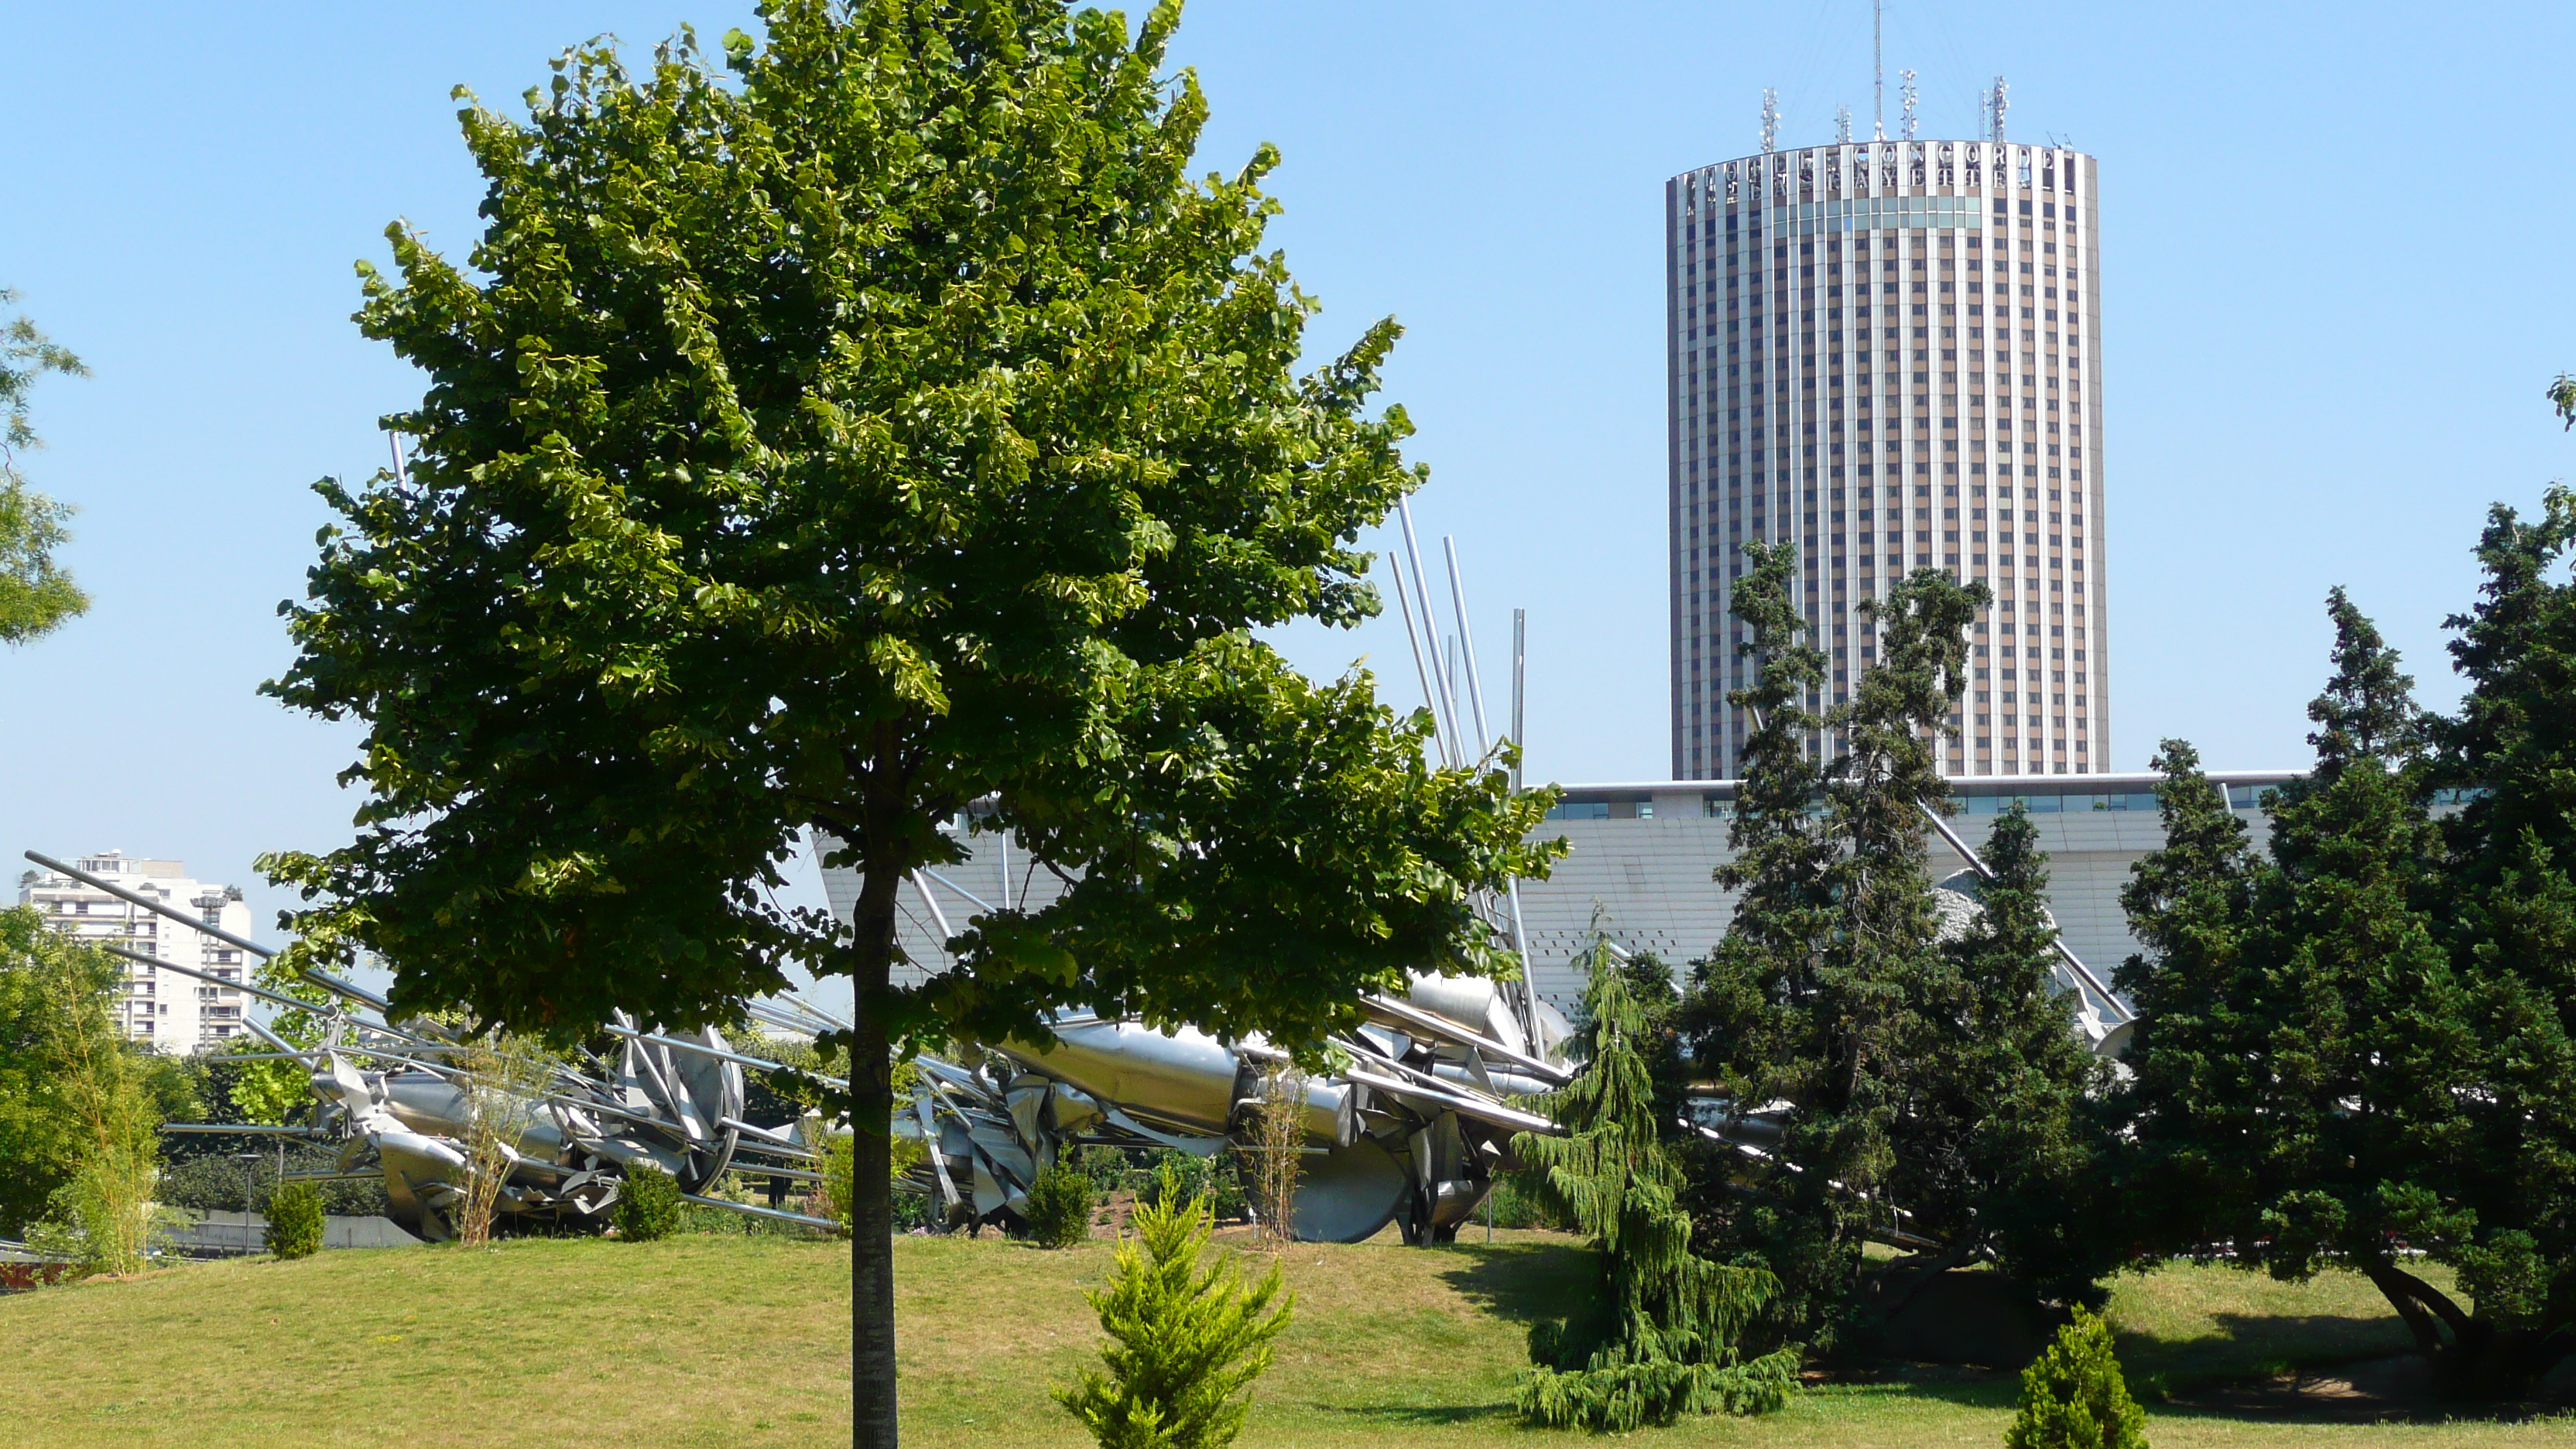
[1410, 1126]
[401, 1098]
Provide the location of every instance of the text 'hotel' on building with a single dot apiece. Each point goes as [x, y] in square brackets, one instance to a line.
[1889, 353]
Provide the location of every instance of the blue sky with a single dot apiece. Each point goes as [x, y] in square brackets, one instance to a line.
[2334, 249]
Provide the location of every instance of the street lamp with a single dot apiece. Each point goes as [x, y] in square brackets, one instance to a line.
[249, 1162]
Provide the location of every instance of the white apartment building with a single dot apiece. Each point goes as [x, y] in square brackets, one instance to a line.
[1889, 355]
[174, 1013]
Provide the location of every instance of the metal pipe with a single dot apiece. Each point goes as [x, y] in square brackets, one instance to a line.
[1416, 1019]
[1430, 627]
[255, 1129]
[781, 1214]
[193, 923]
[978, 902]
[242, 986]
[1520, 669]
[720, 1055]
[937, 915]
[1466, 643]
[1421, 671]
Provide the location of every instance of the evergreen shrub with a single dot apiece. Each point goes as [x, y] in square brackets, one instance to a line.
[295, 1220]
[649, 1206]
[2072, 1396]
[1184, 1341]
[1059, 1207]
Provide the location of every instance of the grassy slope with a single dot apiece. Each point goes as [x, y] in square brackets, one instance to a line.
[693, 1341]
[1401, 1345]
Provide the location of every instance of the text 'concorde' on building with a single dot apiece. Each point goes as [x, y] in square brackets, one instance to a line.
[1888, 353]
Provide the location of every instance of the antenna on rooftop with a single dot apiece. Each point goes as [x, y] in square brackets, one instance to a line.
[1996, 105]
[1770, 120]
[1878, 69]
[1908, 124]
[1842, 125]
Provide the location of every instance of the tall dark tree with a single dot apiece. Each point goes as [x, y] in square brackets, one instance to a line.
[815, 450]
[1998, 1144]
[2313, 1062]
[1814, 999]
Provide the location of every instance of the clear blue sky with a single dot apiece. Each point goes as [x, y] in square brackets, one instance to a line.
[2335, 241]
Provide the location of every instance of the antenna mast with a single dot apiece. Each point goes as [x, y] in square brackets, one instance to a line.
[1908, 124]
[1878, 68]
[1842, 125]
[1995, 108]
[1770, 120]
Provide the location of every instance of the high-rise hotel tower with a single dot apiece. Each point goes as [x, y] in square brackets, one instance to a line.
[1889, 352]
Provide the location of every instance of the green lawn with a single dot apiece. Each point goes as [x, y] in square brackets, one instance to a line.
[1400, 1345]
[692, 1341]
[745, 1341]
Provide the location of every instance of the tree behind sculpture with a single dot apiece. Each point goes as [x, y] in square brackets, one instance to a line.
[1185, 1341]
[816, 451]
[1660, 1337]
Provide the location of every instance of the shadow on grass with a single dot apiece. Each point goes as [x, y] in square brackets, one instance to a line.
[1521, 1282]
[1421, 1416]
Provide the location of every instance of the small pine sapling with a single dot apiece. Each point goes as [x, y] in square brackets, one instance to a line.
[1185, 1341]
[2072, 1396]
[295, 1220]
[649, 1205]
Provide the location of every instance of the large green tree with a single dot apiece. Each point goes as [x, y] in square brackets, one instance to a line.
[36, 594]
[1831, 1002]
[2353, 1045]
[2000, 1138]
[890, 424]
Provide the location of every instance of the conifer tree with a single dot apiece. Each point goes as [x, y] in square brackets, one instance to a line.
[1997, 1145]
[2073, 1397]
[1185, 1340]
[1830, 998]
[1660, 1337]
[2315, 1070]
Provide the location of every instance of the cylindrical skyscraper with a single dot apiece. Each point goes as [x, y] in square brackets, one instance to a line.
[1890, 352]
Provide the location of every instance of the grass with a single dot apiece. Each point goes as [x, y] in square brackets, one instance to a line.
[1395, 1344]
[698, 1340]
[708, 1340]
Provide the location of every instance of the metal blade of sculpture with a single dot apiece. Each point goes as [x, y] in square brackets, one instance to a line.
[394, 1098]
[1410, 1127]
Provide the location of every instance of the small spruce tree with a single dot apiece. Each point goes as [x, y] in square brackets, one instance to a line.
[1059, 1207]
[2072, 1396]
[1185, 1341]
[649, 1205]
[1660, 1339]
[295, 1220]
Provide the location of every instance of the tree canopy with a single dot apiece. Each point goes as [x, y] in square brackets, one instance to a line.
[880, 421]
[36, 594]
[2359, 1043]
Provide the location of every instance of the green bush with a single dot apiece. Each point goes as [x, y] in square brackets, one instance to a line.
[1214, 1178]
[1059, 1207]
[295, 1220]
[649, 1206]
[2072, 1397]
[840, 1177]
[1186, 1342]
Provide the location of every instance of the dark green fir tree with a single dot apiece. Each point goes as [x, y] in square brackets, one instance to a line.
[1660, 1337]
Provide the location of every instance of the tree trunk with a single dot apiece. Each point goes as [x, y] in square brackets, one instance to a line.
[872, 1221]
[2478, 1361]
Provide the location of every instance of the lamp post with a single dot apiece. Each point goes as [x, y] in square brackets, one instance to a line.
[249, 1162]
